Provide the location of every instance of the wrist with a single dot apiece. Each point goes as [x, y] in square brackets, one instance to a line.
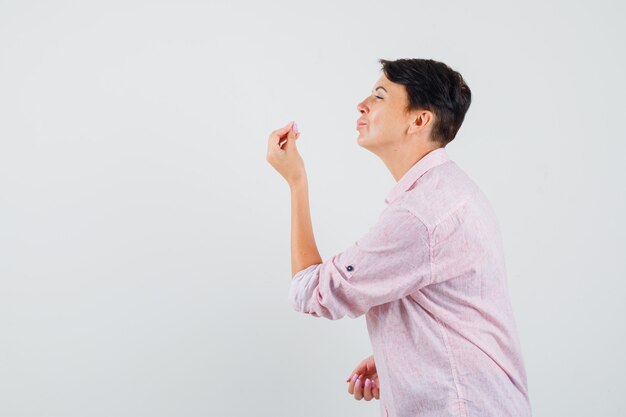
[298, 183]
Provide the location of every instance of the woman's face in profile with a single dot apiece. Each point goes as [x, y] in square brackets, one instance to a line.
[382, 113]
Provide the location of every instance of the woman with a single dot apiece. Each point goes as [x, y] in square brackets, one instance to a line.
[430, 275]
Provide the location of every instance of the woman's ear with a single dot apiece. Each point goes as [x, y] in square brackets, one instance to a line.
[421, 120]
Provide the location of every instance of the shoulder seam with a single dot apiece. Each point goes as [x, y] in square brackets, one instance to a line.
[458, 207]
[430, 246]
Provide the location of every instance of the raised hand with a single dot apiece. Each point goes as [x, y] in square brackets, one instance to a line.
[283, 155]
[363, 381]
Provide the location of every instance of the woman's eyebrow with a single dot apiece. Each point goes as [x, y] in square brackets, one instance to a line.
[382, 88]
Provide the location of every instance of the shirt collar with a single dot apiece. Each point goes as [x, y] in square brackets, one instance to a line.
[428, 161]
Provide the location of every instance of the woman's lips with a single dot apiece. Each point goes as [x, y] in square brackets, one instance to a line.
[359, 124]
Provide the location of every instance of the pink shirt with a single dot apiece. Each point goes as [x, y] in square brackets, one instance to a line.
[430, 278]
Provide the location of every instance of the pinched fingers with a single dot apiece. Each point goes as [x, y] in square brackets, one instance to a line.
[279, 136]
[363, 388]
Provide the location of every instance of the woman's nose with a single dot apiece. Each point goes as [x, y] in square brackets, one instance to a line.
[360, 107]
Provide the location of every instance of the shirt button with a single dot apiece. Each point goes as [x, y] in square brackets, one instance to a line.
[349, 268]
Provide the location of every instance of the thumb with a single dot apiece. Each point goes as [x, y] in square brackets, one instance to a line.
[359, 370]
[284, 129]
[293, 131]
[292, 136]
[287, 129]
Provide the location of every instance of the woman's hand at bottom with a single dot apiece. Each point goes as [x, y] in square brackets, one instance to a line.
[363, 382]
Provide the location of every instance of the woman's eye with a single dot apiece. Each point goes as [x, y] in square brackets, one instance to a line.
[378, 97]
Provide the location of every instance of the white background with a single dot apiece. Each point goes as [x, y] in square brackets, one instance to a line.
[144, 238]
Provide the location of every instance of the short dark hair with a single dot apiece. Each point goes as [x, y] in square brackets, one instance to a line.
[433, 86]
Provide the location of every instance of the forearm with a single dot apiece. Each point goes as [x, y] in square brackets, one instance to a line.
[304, 251]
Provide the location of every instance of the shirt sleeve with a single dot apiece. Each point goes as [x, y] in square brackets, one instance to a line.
[391, 261]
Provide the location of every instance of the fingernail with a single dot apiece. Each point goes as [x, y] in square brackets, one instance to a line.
[368, 383]
[358, 383]
[354, 377]
[294, 127]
